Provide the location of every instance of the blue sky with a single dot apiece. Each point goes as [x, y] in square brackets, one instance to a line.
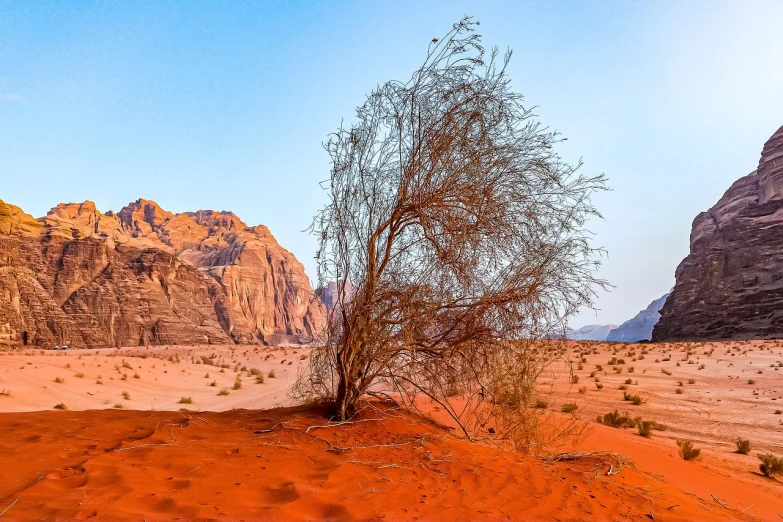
[224, 105]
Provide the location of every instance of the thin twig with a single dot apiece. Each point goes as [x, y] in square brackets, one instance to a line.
[718, 501]
[338, 424]
[9, 507]
[143, 445]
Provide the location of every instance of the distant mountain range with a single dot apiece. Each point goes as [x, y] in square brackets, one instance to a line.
[591, 332]
[638, 328]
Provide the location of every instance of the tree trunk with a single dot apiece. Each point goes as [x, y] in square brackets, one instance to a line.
[345, 401]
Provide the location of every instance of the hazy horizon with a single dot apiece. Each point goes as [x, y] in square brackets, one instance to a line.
[225, 107]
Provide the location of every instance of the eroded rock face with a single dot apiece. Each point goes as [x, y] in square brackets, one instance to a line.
[731, 284]
[147, 276]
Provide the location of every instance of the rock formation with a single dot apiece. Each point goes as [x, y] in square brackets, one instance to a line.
[147, 276]
[640, 327]
[730, 286]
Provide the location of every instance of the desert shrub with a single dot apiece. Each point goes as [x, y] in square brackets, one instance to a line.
[126, 395]
[636, 400]
[623, 387]
[136, 376]
[628, 381]
[687, 450]
[59, 379]
[771, 465]
[574, 379]
[237, 384]
[743, 446]
[569, 407]
[186, 400]
[658, 426]
[599, 367]
[5, 393]
[540, 404]
[751, 381]
[259, 379]
[592, 374]
[213, 383]
[118, 406]
[678, 391]
[255, 371]
[60, 406]
[124, 376]
[79, 375]
[271, 374]
[691, 381]
[582, 390]
[223, 391]
[645, 428]
[599, 386]
[468, 281]
[616, 420]
[778, 412]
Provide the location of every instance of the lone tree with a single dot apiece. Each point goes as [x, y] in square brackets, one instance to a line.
[462, 234]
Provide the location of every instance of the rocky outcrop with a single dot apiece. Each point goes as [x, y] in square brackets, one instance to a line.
[640, 327]
[147, 276]
[730, 286]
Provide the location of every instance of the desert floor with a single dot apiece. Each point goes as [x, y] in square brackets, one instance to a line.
[141, 452]
[150, 378]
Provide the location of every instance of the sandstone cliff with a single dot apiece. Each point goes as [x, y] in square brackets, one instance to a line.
[147, 276]
[730, 286]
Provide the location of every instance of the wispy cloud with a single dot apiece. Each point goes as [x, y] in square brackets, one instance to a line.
[9, 96]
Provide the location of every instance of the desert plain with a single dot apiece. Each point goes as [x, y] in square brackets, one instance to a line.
[211, 433]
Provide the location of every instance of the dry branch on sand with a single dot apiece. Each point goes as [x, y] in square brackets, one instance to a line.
[462, 235]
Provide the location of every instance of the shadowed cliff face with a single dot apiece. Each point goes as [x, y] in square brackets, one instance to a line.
[731, 284]
[147, 276]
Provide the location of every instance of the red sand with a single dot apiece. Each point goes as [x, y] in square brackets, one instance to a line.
[250, 465]
[226, 464]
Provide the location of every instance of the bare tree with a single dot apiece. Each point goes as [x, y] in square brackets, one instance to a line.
[463, 235]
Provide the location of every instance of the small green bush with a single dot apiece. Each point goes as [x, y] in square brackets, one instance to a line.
[687, 451]
[743, 446]
[645, 428]
[770, 465]
[636, 400]
[569, 407]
